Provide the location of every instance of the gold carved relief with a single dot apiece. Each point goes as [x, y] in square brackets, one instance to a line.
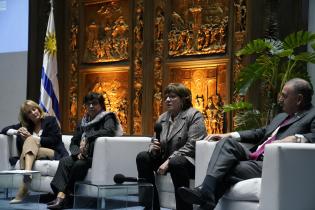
[159, 47]
[181, 28]
[198, 27]
[240, 9]
[157, 92]
[208, 86]
[241, 13]
[137, 74]
[106, 31]
[73, 68]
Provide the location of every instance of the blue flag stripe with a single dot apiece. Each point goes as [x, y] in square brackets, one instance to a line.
[49, 89]
[43, 106]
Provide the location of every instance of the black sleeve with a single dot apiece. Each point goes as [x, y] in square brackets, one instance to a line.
[16, 126]
[51, 135]
[108, 128]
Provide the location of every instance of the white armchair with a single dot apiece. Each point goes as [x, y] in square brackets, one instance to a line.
[287, 181]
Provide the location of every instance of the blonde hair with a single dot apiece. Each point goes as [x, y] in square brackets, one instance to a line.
[23, 118]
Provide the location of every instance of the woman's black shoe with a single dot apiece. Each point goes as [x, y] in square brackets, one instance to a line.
[58, 204]
[51, 202]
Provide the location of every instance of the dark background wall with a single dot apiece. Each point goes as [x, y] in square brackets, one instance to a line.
[265, 18]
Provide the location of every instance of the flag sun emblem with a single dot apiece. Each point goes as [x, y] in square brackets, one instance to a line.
[50, 43]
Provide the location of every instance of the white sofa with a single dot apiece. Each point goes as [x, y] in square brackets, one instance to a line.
[112, 155]
[287, 181]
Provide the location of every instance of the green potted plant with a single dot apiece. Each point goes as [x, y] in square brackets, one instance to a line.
[275, 63]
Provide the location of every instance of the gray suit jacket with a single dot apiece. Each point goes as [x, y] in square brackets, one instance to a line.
[302, 123]
[181, 140]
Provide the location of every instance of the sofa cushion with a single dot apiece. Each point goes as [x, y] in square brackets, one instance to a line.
[45, 167]
[247, 190]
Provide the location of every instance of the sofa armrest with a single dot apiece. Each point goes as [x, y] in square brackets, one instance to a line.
[66, 139]
[204, 150]
[8, 149]
[113, 155]
[5, 152]
[288, 177]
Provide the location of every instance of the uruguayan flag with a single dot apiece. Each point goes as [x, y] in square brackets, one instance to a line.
[49, 90]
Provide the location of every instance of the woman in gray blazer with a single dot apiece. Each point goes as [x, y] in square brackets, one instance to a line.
[174, 150]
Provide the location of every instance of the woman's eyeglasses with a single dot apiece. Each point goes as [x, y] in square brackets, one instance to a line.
[170, 97]
[93, 103]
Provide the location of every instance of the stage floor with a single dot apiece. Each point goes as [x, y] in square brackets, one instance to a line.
[44, 198]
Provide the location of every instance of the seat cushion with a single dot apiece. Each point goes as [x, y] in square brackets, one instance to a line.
[247, 190]
[45, 167]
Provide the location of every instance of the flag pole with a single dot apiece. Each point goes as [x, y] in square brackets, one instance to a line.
[49, 91]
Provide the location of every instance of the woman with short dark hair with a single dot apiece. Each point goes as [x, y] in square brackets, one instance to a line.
[96, 123]
[182, 125]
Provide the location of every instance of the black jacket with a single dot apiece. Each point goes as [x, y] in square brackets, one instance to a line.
[50, 138]
[104, 125]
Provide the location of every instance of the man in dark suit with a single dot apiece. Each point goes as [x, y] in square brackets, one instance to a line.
[231, 162]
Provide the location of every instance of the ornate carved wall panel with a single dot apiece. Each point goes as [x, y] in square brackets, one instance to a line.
[117, 46]
[198, 27]
[138, 68]
[207, 82]
[72, 111]
[105, 31]
[159, 34]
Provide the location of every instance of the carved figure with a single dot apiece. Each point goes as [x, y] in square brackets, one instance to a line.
[159, 24]
[200, 103]
[177, 20]
[73, 40]
[92, 34]
[107, 49]
[137, 127]
[73, 107]
[136, 101]
[157, 103]
[200, 40]
[172, 41]
[100, 50]
[123, 112]
[139, 24]
[189, 41]
[241, 15]
[120, 27]
[207, 38]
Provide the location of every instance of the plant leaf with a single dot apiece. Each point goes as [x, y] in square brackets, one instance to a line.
[247, 76]
[242, 105]
[298, 39]
[306, 57]
[285, 53]
[255, 46]
[247, 119]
